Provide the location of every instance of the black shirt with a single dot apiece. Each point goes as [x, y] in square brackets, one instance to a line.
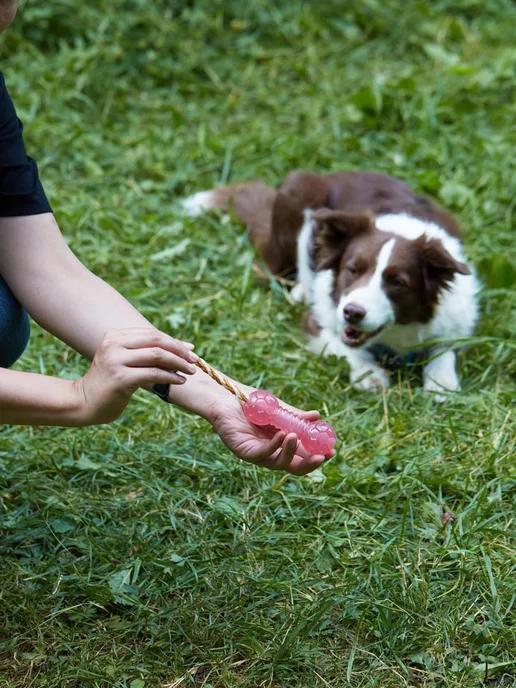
[21, 192]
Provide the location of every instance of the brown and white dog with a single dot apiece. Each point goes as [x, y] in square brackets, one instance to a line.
[376, 263]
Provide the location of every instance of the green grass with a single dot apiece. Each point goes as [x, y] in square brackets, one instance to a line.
[142, 554]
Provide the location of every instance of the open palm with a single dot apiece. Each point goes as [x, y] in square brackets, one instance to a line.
[264, 446]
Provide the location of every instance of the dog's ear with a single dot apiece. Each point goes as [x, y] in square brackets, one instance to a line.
[334, 229]
[439, 266]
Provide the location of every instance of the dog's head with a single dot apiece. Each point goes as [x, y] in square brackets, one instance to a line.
[379, 278]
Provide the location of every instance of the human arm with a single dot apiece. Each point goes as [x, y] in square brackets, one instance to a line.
[124, 361]
[79, 308]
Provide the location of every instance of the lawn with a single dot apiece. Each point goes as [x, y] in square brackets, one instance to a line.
[143, 555]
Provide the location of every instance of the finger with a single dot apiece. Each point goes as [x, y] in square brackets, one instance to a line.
[301, 466]
[310, 415]
[307, 455]
[287, 452]
[147, 377]
[155, 357]
[307, 415]
[137, 338]
[177, 379]
[268, 449]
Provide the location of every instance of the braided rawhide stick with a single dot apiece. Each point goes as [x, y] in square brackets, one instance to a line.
[221, 379]
[262, 408]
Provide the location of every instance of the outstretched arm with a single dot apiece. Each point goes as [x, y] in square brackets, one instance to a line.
[66, 299]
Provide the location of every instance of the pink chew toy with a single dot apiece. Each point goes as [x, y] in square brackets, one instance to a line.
[262, 408]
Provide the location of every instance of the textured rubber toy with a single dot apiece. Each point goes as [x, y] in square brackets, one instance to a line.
[262, 408]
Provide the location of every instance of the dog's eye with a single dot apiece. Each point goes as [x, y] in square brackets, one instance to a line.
[351, 269]
[397, 281]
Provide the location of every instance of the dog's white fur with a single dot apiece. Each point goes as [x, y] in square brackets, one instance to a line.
[455, 315]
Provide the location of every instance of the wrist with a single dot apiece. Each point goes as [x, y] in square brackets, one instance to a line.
[220, 406]
[78, 407]
[201, 395]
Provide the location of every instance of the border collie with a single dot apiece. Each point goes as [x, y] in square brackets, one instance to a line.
[379, 267]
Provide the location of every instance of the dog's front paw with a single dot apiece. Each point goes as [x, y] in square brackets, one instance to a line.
[440, 377]
[440, 389]
[297, 293]
[372, 379]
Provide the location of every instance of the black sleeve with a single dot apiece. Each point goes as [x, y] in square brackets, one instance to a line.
[21, 192]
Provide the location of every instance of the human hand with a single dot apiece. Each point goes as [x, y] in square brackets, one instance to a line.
[126, 360]
[263, 446]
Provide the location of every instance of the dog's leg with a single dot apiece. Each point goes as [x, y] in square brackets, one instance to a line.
[365, 373]
[297, 293]
[439, 374]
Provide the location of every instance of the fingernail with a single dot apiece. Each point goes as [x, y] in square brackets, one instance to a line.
[181, 377]
[190, 345]
[191, 369]
[193, 357]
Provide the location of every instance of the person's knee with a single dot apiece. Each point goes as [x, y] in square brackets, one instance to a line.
[14, 327]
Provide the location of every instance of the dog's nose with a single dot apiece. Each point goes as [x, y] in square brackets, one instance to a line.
[354, 313]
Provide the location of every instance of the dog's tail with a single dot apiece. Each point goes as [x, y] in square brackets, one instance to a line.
[252, 202]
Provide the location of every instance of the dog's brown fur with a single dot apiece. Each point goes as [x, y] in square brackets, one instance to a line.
[274, 216]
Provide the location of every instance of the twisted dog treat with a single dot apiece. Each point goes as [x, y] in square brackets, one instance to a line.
[221, 379]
